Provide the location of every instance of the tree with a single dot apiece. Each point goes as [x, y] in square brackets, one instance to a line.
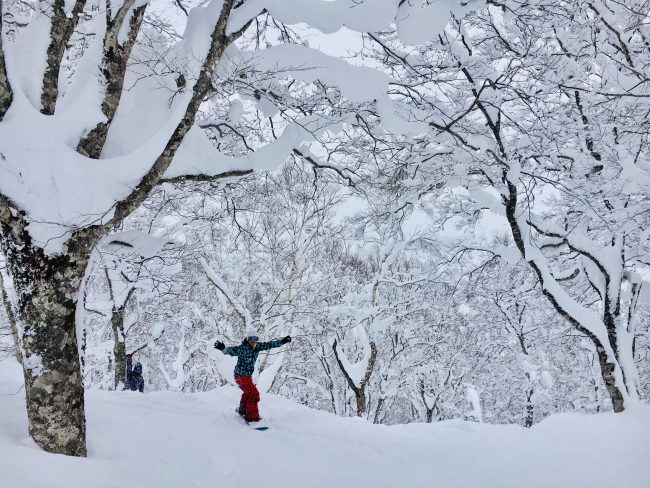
[133, 262]
[46, 282]
[535, 111]
[103, 169]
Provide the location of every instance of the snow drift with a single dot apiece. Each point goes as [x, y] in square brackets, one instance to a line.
[166, 439]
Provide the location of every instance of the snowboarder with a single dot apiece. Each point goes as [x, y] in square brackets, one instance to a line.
[134, 380]
[247, 353]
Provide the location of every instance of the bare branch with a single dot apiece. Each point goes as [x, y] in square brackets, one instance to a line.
[202, 178]
[318, 165]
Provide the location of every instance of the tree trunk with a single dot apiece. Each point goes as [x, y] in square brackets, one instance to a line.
[47, 287]
[359, 391]
[530, 411]
[608, 363]
[46, 290]
[360, 396]
[607, 370]
[6, 94]
[380, 404]
[12, 320]
[119, 336]
[119, 344]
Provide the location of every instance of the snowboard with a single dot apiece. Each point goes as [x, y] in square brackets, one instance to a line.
[254, 425]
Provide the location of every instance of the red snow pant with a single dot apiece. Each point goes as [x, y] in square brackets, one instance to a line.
[250, 397]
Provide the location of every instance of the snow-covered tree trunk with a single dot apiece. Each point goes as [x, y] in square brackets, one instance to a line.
[46, 290]
[47, 284]
[610, 367]
[6, 94]
[117, 324]
[360, 389]
[119, 340]
[12, 320]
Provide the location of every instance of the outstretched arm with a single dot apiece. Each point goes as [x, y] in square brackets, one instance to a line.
[230, 351]
[263, 346]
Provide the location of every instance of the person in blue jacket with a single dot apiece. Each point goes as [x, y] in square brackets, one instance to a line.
[133, 380]
[247, 353]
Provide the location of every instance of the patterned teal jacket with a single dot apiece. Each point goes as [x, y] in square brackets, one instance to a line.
[246, 355]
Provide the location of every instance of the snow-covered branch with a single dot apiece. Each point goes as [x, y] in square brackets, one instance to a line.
[217, 46]
[241, 311]
[6, 94]
[62, 25]
[113, 69]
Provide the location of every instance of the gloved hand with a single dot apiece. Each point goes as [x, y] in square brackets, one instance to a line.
[219, 345]
[284, 340]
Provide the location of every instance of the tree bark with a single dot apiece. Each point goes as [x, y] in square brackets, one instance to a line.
[119, 345]
[12, 320]
[6, 95]
[119, 340]
[60, 33]
[46, 291]
[113, 69]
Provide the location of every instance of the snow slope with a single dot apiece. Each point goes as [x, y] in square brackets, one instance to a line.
[166, 439]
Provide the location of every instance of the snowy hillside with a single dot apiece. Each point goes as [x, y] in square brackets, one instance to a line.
[162, 440]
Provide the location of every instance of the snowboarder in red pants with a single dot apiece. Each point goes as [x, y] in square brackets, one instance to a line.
[247, 353]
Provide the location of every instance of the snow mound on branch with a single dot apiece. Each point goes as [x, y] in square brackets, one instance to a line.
[169, 440]
[357, 83]
[420, 21]
[417, 20]
[325, 15]
[146, 245]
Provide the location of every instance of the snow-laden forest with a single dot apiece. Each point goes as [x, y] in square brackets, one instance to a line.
[445, 204]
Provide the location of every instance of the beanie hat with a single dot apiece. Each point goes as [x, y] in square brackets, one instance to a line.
[252, 335]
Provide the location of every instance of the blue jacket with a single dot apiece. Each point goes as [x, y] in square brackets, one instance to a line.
[133, 381]
[246, 355]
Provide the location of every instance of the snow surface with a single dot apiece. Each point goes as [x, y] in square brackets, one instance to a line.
[166, 439]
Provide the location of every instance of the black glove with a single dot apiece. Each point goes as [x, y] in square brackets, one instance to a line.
[219, 345]
[284, 340]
